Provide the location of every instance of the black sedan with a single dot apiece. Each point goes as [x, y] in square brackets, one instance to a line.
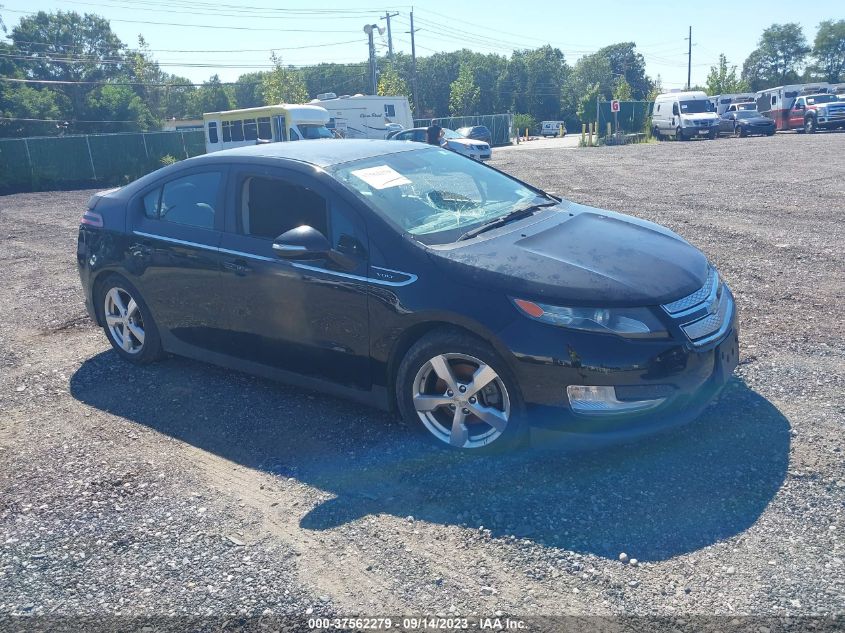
[413, 279]
[476, 132]
[746, 123]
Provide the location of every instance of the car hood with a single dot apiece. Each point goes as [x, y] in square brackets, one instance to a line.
[467, 142]
[577, 255]
[757, 120]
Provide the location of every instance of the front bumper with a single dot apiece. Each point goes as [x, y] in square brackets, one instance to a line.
[684, 377]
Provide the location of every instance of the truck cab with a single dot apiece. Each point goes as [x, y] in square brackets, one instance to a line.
[810, 113]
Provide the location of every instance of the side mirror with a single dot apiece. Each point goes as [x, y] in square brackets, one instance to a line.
[303, 242]
[675, 110]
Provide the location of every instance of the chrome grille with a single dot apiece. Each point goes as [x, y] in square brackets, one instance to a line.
[709, 325]
[697, 297]
[706, 314]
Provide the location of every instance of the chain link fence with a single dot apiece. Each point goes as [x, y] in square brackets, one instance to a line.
[500, 125]
[45, 163]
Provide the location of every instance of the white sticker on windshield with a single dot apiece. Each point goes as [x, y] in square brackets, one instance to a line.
[381, 177]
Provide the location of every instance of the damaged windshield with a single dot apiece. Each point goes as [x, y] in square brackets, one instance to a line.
[435, 195]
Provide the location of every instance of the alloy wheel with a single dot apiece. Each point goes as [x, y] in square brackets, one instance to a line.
[124, 320]
[461, 400]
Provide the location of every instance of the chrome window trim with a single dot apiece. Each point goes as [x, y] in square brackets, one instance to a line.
[381, 282]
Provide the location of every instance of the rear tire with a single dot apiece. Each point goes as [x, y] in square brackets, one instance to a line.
[656, 133]
[456, 390]
[127, 321]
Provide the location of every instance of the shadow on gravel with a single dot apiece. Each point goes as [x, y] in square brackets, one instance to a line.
[656, 498]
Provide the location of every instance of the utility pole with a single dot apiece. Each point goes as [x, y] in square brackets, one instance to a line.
[689, 61]
[387, 16]
[414, 65]
[368, 29]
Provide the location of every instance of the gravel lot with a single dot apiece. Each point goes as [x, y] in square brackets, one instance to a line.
[184, 489]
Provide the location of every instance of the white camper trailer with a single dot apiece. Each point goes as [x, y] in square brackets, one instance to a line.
[268, 124]
[365, 116]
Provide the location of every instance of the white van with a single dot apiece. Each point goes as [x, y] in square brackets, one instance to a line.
[684, 115]
[365, 116]
[552, 128]
[269, 124]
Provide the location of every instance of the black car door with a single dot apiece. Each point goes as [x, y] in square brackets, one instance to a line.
[176, 228]
[304, 316]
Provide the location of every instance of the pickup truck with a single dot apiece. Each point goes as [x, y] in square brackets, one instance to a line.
[810, 113]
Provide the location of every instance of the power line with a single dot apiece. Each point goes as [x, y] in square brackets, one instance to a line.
[132, 51]
[208, 26]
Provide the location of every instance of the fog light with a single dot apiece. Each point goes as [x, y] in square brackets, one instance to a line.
[595, 400]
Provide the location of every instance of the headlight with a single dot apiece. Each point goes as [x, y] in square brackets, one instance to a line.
[627, 322]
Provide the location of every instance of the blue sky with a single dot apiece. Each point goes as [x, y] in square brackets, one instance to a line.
[236, 36]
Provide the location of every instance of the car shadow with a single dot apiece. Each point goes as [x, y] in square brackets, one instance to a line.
[655, 498]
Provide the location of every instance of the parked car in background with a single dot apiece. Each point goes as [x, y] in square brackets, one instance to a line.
[407, 277]
[478, 150]
[552, 128]
[477, 133]
[684, 115]
[746, 123]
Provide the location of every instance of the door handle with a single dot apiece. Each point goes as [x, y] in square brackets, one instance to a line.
[238, 267]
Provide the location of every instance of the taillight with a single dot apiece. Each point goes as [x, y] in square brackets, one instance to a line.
[91, 218]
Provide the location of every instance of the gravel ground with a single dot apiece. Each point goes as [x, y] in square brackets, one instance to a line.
[183, 489]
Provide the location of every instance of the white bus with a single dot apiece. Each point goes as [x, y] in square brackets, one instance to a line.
[268, 124]
[365, 116]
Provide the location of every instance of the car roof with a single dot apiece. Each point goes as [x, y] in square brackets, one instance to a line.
[321, 153]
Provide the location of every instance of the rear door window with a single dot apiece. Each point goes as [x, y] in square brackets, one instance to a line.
[191, 201]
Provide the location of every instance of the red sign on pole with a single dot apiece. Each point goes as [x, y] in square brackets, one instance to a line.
[614, 105]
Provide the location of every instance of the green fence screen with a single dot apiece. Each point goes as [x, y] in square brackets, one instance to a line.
[499, 124]
[44, 163]
[632, 116]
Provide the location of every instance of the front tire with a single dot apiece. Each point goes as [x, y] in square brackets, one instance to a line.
[810, 125]
[679, 134]
[458, 391]
[127, 320]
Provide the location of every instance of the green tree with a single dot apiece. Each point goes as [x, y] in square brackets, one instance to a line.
[249, 90]
[391, 84]
[284, 84]
[622, 90]
[625, 61]
[117, 109]
[338, 78]
[21, 101]
[178, 98]
[464, 94]
[829, 50]
[586, 110]
[51, 38]
[780, 53]
[210, 97]
[723, 80]
[591, 76]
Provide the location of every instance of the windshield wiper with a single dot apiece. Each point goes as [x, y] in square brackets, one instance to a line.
[516, 214]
